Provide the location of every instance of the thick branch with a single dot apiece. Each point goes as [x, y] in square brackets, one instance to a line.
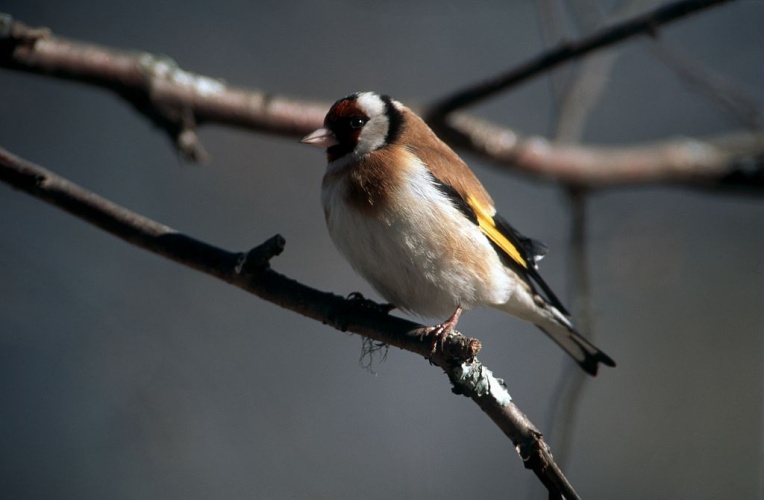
[646, 23]
[251, 272]
[178, 101]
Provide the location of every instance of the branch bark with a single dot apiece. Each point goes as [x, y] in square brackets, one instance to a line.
[251, 272]
[179, 101]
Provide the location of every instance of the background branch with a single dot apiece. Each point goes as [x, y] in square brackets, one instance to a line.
[575, 94]
[645, 23]
[178, 101]
[729, 96]
[732, 160]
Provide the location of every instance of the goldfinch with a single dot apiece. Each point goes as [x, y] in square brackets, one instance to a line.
[415, 222]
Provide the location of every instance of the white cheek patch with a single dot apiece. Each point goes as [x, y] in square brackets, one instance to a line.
[375, 131]
[372, 135]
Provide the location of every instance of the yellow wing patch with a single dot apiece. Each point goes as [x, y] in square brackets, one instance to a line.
[488, 226]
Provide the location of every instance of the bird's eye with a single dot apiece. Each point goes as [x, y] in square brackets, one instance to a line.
[357, 122]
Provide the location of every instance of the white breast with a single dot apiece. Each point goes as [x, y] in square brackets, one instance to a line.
[419, 252]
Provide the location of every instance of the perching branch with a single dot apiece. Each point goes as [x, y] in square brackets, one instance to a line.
[251, 272]
[179, 101]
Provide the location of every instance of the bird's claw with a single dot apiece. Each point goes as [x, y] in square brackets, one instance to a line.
[438, 335]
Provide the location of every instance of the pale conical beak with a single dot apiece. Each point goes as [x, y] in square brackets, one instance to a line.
[323, 138]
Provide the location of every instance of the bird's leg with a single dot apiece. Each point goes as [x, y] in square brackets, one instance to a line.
[438, 333]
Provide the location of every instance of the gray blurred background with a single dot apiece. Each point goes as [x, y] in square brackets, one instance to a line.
[126, 376]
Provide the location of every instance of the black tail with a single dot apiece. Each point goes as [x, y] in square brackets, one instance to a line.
[586, 354]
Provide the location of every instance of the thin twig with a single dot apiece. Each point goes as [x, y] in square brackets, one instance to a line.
[729, 96]
[551, 16]
[570, 385]
[251, 271]
[575, 101]
[645, 24]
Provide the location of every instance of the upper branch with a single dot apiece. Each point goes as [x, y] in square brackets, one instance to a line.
[178, 101]
[175, 99]
[646, 23]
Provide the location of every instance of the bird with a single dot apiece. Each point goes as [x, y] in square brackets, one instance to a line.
[416, 223]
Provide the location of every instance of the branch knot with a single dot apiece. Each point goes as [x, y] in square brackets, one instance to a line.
[259, 257]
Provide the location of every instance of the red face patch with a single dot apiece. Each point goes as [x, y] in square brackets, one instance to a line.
[344, 108]
[346, 120]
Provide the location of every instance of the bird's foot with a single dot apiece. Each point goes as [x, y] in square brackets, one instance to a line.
[440, 332]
